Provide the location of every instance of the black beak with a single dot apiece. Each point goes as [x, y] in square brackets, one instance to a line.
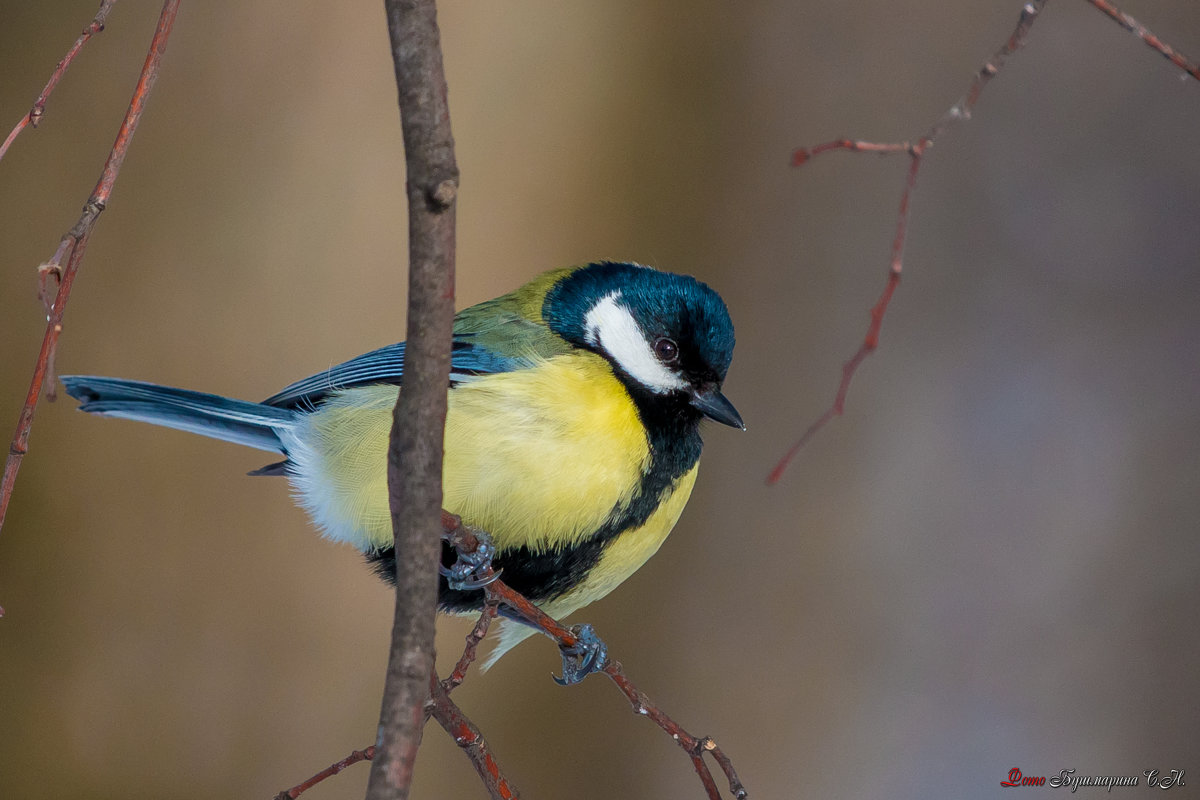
[712, 404]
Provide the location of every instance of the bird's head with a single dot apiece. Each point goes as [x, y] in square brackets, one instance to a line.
[668, 337]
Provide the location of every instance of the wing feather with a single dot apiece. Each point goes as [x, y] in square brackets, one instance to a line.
[488, 339]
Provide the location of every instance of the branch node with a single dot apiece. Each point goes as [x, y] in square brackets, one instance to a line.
[49, 278]
[444, 194]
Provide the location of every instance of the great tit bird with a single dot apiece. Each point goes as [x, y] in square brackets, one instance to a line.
[572, 431]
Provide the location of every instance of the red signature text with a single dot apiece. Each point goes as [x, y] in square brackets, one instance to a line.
[1015, 778]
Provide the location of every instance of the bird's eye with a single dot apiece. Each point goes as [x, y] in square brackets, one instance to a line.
[666, 350]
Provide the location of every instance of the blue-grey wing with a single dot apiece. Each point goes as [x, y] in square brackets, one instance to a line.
[491, 337]
[386, 365]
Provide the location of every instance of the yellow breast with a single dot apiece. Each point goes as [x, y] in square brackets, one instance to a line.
[538, 457]
[628, 551]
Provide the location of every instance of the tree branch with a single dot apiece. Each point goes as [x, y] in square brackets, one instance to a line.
[1149, 39]
[34, 116]
[415, 447]
[467, 736]
[464, 540]
[694, 746]
[74, 242]
[366, 754]
[959, 112]
[456, 677]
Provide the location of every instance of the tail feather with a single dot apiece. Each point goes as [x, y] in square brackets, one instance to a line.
[238, 421]
[512, 633]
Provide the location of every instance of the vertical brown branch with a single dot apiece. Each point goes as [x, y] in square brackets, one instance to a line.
[415, 448]
[74, 244]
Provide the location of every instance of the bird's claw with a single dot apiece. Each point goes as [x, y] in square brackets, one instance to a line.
[472, 570]
[589, 654]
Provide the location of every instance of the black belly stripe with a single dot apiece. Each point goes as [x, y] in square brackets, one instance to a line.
[538, 576]
[675, 443]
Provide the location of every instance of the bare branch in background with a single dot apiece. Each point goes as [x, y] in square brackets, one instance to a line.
[74, 242]
[34, 116]
[366, 754]
[959, 112]
[1153, 42]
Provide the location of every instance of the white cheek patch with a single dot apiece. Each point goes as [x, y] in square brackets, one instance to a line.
[610, 326]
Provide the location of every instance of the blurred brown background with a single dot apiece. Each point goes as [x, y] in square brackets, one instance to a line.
[990, 561]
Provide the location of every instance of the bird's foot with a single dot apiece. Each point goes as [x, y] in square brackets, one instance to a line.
[472, 569]
[589, 654]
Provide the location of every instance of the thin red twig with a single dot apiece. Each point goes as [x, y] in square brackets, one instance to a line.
[455, 678]
[695, 747]
[958, 112]
[802, 155]
[1139, 30]
[440, 707]
[366, 754]
[34, 116]
[73, 246]
[467, 736]
[449, 684]
[916, 150]
[499, 592]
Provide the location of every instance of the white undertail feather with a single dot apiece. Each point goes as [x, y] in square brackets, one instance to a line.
[338, 472]
[510, 635]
